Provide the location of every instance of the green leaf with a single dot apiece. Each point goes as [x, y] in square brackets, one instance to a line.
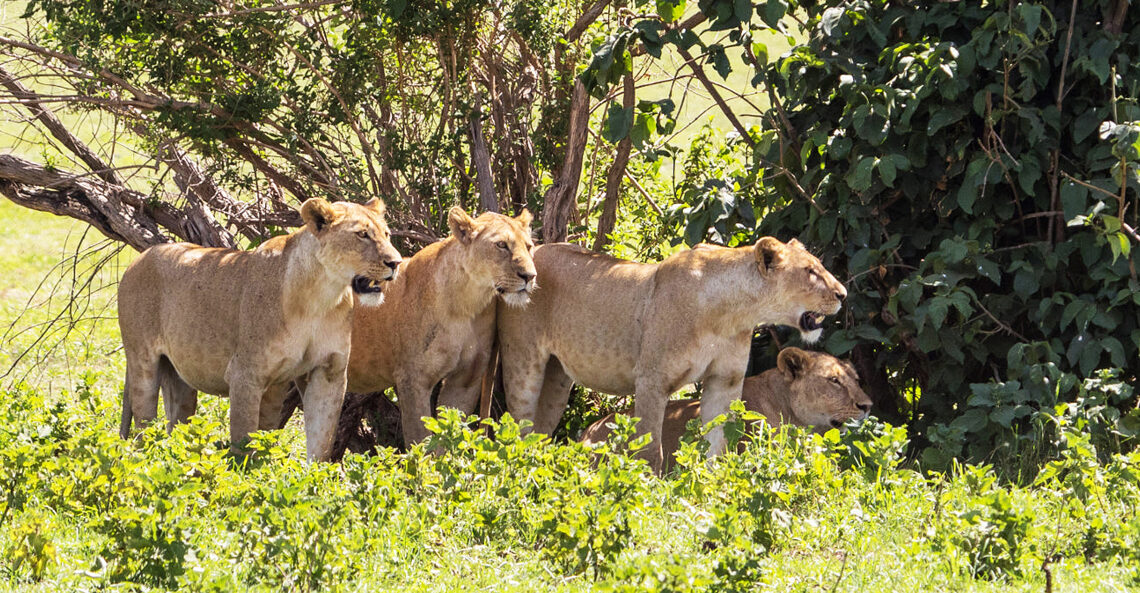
[830, 19]
[1074, 199]
[936, 310]
[617, 124]
[859, 178]
[743, 10]
[773, 11]
[670, 10]
[887, 172]
[967, 195]
[720, 61]
[944, 117]
[974, 420]
[826, 227]
[1031, 15]
[1115, 350]
[841, 342]
[1025, 283]
[760, 51]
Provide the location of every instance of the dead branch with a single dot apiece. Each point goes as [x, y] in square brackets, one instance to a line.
[107, 207]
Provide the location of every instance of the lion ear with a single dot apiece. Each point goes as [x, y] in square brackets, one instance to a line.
[792, 361]
[769, 254]
[318, 214]
[462, 225]
[525, 217]
[376, 204]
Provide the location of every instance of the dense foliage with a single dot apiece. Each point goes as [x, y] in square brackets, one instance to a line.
[81, 508]
[971, 170]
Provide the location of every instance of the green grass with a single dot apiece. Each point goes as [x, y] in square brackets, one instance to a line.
[56, 311]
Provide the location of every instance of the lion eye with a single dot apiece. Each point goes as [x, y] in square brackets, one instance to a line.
[836, 380]
[501, 244]
[362, 234]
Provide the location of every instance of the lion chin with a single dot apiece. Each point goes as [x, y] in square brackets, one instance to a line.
[520, 298]
[370, 299]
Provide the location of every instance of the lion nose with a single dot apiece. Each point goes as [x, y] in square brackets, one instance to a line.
[526, 276]
[841, 293]
[393, 263]
[863, 406]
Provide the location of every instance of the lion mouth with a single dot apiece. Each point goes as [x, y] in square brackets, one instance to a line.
[366, 285]
[811, 321]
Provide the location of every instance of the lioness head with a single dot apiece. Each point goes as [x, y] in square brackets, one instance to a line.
[823, 391]
[501, 247]
[355, 241]
[801, 277]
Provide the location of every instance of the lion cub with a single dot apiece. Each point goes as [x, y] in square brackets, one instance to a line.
[623, 327]
[805, 389]
[245, 324]
[439, 321]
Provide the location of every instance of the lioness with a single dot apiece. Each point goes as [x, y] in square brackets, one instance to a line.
[805, 389]
[623, 327]
[247, 323]
[439, 321]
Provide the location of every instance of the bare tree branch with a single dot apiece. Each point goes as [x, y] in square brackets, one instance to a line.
[46, 117]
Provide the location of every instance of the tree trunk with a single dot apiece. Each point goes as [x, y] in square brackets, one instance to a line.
[1114, 20]
[487, 200]
[608, 218]
[562, 197]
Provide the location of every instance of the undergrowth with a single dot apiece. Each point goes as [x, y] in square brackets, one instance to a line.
[82, 509]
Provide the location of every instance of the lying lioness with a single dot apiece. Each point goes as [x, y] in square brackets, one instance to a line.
[247, 323]
[805, 389]
[623, 327]
[439, 321]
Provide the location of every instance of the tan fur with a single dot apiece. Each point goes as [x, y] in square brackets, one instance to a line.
[806, 388]
[622, 327]
[438, 323]
[244, 324]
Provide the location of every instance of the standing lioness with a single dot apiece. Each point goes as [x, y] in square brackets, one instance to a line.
[439, 323]
[623, 327]
[247, 323]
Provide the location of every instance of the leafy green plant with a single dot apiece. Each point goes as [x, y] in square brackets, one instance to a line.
[589, 515]
[988, 525]
[30, 550]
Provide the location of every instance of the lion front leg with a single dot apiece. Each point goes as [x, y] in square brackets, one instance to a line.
[322, 400]
[649, 406]
[718, 391]
[246, 389]
[414, 398]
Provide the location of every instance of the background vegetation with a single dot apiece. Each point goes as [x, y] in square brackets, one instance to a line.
[969, 169]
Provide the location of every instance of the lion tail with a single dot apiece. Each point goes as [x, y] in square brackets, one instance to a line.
[125, 419]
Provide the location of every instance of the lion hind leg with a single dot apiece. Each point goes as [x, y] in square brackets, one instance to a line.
[553, 398]
[179, 399]
[522, 380]
[140, 392]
